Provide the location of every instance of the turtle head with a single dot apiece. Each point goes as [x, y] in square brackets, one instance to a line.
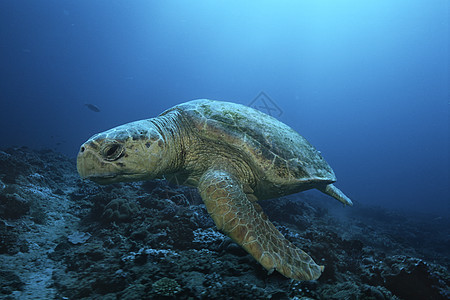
[131, 152]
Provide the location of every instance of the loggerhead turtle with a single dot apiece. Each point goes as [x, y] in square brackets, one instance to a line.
[235, 155]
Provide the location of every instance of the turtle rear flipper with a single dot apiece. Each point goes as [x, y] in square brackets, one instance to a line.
[336, 193]
[246, 223]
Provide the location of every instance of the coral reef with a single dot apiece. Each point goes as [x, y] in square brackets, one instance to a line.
[64, 238]
[166, 287]
[78, 237]
[119, 210]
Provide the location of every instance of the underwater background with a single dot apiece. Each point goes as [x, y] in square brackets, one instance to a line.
[365, 82]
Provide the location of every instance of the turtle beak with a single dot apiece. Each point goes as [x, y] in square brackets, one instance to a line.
[90, 164]
[82, 158]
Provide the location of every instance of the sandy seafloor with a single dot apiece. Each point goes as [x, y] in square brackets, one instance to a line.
[65, 238]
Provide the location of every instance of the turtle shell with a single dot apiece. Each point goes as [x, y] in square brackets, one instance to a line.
[277, 154]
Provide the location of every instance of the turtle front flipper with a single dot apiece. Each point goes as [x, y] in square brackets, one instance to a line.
[246, 223]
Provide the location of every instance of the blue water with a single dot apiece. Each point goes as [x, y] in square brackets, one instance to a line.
[366, 82]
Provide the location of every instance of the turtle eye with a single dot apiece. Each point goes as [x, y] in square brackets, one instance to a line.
[113, 151]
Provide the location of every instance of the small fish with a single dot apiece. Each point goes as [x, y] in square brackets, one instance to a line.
[92, 107]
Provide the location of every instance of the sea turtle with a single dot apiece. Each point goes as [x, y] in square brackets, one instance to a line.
[234, 155]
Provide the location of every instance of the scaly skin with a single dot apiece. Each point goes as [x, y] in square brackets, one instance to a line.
[246, 223]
